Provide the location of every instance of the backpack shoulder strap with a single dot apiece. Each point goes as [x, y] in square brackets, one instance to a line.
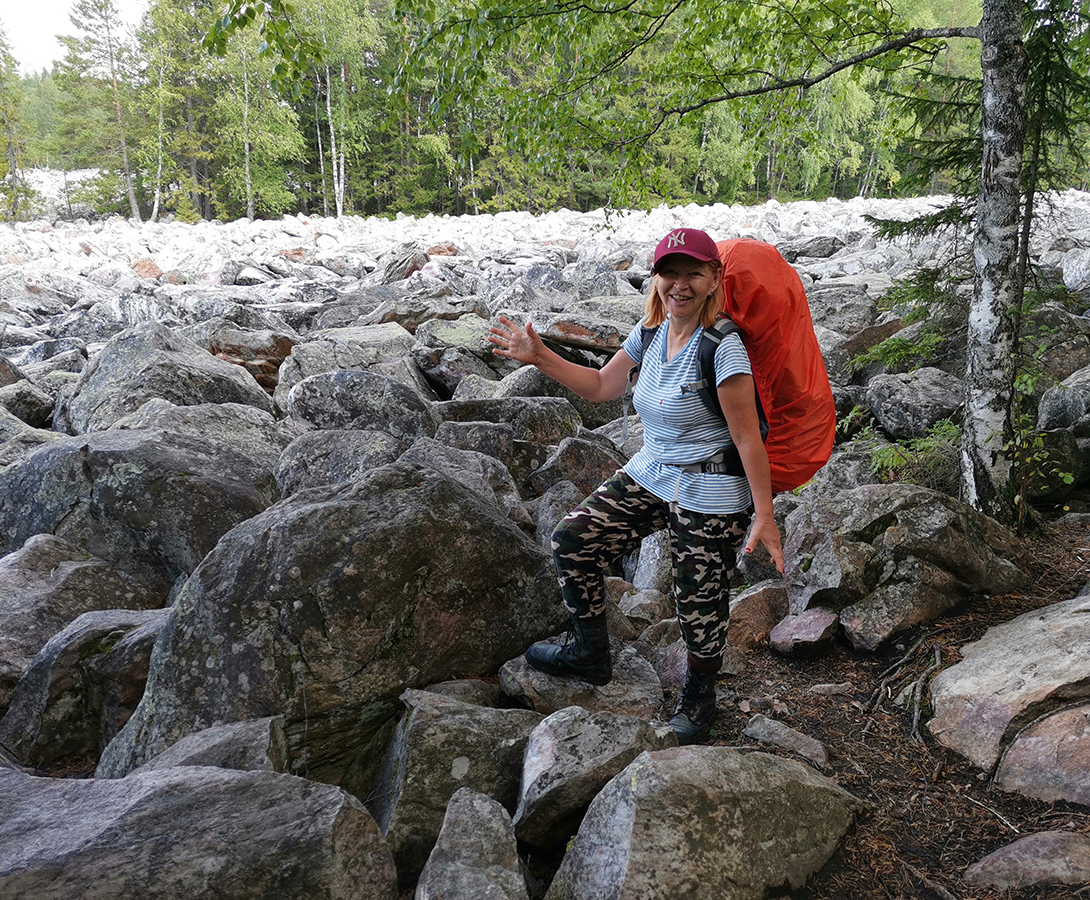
[647, 334]
[705, 354]
[709, 343]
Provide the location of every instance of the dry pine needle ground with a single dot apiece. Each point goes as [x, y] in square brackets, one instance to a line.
[931, 813]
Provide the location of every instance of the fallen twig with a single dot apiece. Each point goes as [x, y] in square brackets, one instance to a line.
[890, 675]
[917, 693]
[994, 813]
[928, 883]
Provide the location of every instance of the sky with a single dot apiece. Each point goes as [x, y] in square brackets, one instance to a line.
[32, 26]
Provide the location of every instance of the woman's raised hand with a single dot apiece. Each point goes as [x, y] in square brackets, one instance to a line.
[521, 344]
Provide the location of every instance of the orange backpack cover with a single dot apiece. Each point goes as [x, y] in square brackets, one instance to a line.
[765, 298]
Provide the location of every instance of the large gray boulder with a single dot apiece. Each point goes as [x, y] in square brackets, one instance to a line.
[101, 320]
[1050, 759]
[361, 400]
[244, 428]
[330, 456]
[888, 557]
[328, 605]
[1044, 858]
[441, 745]
[82, 686]
[151, 361]
[569, 758]
[352, 348]
[151, 503]
[529, 381]
[475, 855]
[17, 438]
[541, 420]
[28, 403]
[1017, 672]
[907, 405]
[704, 822]
[635, 688]
[45, 585]
[254, 745]
[482, 474]
[188, 832]
[413, 310]
[584, 463]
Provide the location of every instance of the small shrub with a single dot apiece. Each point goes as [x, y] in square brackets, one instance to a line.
[933, 461]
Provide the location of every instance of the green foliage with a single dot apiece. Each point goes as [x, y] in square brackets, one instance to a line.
[926, 296]
[290, 48]
[488, 105]
[1032, 466]
[932, 461]
[15, 194]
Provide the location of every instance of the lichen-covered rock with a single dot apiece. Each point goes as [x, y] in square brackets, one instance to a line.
[330, 456]
[634, 690]
[82, 686]
[1048, 857]
[704, 822]
[541, 420]
[1010, 677]
[334, 349]
[246, 429]
[45, 585]
[1050, 759]
[475, 855]
[907, 405]
[27, 402]
[442, 745]
[328, 605]
[151, 361]
[891, 556]
[484, 475]
[253, 745]
[362, 401]
[151, 503]
[529, 381]
[193, 831]
[584, 463]
[569, 758]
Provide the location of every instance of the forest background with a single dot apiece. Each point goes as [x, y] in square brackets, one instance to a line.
[175, 130]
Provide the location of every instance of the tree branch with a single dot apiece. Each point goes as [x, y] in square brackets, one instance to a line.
[775, 83]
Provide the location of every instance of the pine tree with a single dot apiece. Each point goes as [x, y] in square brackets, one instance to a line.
[14, 191]
[98, 53]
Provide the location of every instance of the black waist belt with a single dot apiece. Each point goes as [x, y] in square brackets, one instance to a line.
[723, 462]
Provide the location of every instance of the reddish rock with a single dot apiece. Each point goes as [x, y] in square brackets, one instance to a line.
[147, 268]
[807, 630]
[1050, 857]
[444, 249]
[1050, 760]
[755, 612]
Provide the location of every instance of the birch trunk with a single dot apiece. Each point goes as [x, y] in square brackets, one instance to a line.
[251, 210]
[997, 294]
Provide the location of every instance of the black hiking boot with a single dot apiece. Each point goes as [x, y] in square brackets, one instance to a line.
[583, 654]
[695, 707]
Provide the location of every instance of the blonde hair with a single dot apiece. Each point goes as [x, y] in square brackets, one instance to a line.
[654, 309]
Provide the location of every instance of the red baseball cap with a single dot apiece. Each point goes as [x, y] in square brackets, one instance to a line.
[687, 242]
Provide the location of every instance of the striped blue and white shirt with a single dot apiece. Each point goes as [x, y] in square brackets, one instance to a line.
[678, 429]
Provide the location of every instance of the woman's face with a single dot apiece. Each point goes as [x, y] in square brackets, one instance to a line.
[684, 284]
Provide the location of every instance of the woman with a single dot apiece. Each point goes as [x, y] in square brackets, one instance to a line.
[662, 486]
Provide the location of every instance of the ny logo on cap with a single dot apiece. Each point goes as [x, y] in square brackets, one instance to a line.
[675, 239]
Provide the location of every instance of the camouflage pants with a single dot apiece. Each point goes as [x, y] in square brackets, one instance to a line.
[614, 519]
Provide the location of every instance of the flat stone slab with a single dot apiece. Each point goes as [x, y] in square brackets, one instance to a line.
[1011, 676]
[1050, 857]
[1050, 760]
